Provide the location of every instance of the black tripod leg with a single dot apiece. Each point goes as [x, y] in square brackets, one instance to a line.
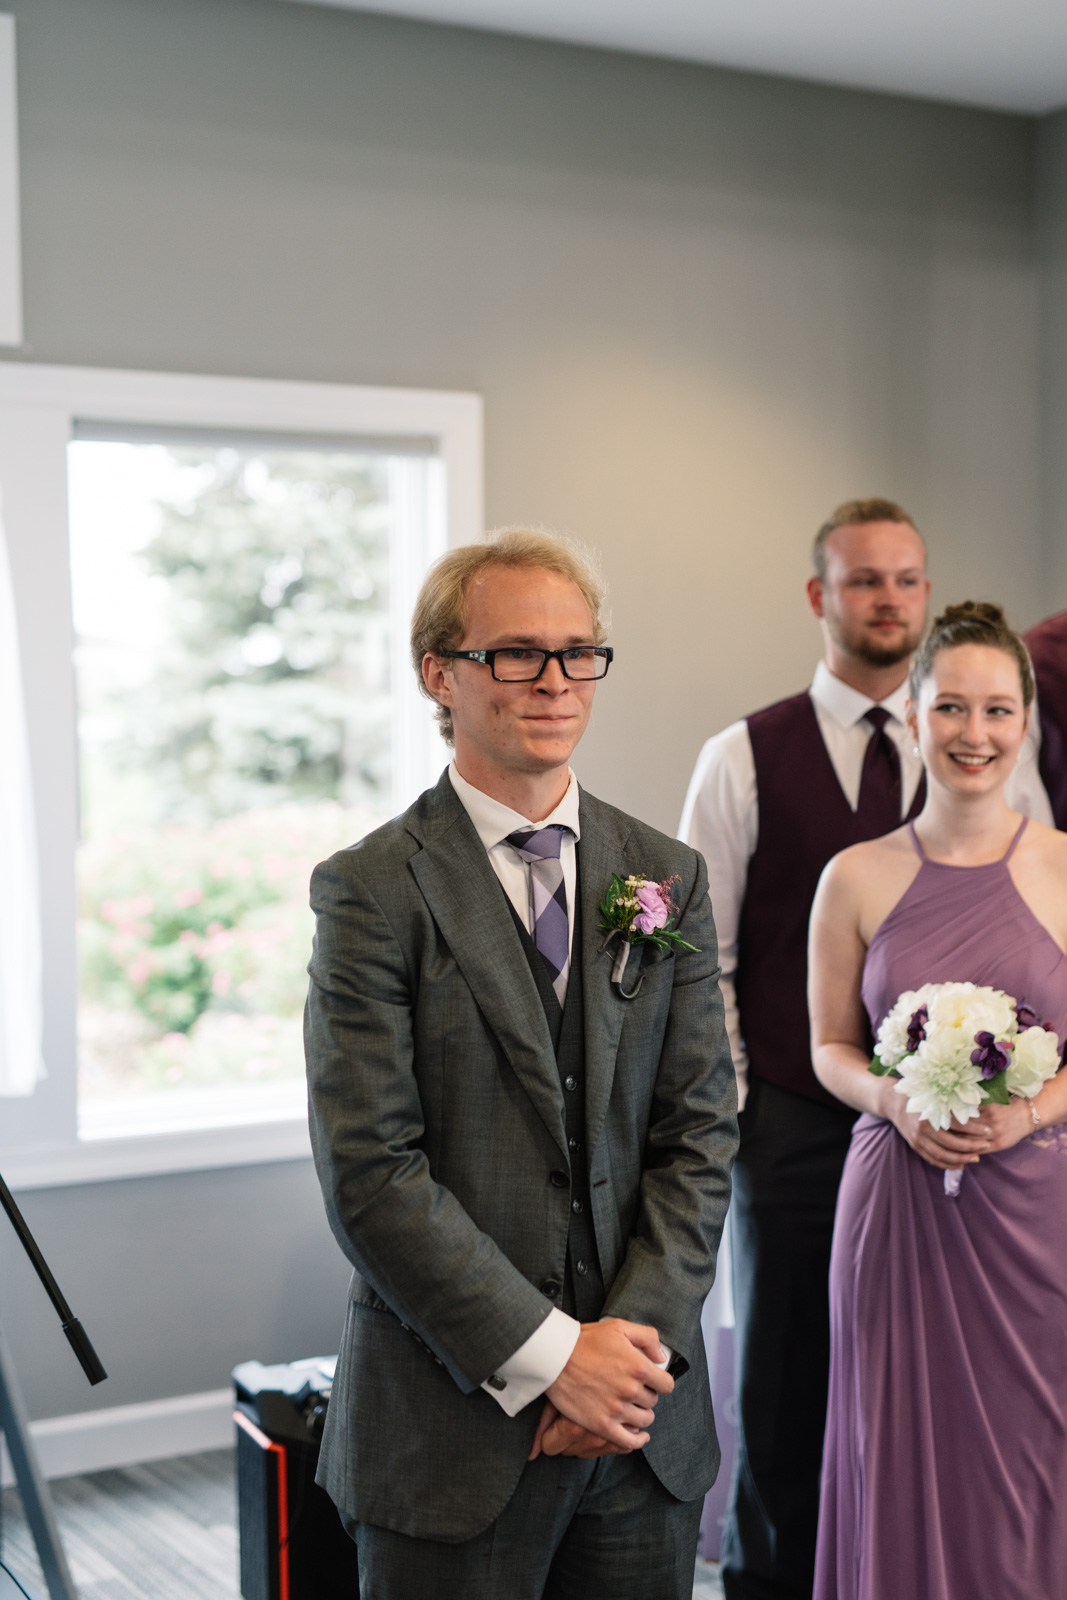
[36, 1500]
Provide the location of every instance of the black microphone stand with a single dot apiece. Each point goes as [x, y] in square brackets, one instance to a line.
[15, 1426]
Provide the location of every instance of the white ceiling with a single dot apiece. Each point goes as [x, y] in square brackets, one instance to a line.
[1007, 54]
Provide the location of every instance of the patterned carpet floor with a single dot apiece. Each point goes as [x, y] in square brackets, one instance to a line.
[162, 1531]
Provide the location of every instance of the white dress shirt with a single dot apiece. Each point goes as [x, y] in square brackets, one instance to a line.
[542, 1358]
[539, 1362]
[721, 813]
[494, 821]
[1024, 790]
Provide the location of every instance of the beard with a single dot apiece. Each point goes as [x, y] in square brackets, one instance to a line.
[857, 643]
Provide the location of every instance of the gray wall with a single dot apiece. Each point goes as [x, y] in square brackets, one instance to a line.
[175, 1280]
[1052, 250]
[702, 307]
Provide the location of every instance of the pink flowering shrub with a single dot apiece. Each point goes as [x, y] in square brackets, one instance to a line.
[182, 926]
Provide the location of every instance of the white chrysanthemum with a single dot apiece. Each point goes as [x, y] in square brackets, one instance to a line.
[941, 1081]
[963, 1010]
[1035, 1059]
[892, 1045]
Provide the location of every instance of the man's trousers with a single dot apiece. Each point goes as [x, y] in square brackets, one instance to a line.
[785, 1186]
[573, 1530]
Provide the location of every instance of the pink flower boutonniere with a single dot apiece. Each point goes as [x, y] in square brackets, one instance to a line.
[637, 910]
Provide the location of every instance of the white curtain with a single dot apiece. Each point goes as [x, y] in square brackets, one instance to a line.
[21, 1064]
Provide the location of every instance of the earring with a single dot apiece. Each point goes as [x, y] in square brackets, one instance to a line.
[915, 750]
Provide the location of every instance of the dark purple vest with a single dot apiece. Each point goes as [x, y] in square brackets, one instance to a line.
[804, 819]
[1048, 648]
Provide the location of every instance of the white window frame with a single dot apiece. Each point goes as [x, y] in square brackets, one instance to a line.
[10, 228]
[39, 405]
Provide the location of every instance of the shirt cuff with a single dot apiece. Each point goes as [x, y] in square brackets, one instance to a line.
[535, 1364]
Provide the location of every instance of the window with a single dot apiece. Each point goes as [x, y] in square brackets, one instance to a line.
[233, 619]
[239, 561]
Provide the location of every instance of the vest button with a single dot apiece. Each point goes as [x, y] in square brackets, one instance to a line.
[570, 1082]
[574, 1144]
[580, 1268]
[576, 1205]
[551, 1287]
[559, 1180]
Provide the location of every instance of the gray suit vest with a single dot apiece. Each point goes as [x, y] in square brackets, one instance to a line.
[582, 1289]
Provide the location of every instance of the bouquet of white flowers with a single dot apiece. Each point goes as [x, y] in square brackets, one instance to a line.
[955, 1046]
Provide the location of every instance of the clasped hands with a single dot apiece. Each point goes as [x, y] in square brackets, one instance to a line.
[995, 1128]
[603, 1402]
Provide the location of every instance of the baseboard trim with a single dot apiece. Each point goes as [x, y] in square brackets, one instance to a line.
[121, 1436]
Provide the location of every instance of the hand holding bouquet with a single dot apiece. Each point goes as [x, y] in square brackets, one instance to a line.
[956, 1046]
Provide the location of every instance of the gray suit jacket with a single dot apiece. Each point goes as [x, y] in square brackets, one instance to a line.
[436, 1118]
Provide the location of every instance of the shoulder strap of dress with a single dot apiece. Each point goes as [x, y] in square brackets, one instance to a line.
[915, 841]
[1020, 830]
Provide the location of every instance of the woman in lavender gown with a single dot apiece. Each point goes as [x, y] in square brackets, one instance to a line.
[945, 1465]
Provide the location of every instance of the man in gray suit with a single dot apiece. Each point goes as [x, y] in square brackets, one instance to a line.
[526, 1161]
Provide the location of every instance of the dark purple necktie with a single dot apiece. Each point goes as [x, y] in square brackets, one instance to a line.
[550, 928]
[878, 810]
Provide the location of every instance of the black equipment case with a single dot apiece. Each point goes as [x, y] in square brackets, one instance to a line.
[293, 1546]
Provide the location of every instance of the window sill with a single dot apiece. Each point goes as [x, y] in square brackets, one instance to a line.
[53, 1166]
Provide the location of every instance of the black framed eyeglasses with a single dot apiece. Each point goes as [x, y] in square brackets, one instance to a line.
[517, 664]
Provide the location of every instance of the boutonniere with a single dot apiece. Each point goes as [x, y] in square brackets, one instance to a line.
[637, 910]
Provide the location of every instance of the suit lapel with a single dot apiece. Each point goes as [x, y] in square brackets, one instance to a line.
[602, 848]
[471, 910]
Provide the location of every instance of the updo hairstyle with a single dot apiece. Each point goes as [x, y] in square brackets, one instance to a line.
[973, 622]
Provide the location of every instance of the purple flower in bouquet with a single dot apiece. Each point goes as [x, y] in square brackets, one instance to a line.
[917, 1028]
[954, 1047]
[655, 910]
[1027, 1017]
[992, 1056]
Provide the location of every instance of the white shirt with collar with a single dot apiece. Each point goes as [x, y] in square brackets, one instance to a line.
[721, 813]
[1025, 791]
[539, 1362]
[542, 1358]
[493, 821]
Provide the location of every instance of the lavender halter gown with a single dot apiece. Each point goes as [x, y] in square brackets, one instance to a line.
[945, 1464]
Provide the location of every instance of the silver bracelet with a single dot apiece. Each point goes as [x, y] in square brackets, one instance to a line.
[1035, 1115]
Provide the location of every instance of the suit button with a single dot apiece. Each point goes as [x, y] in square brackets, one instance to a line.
[576, 1206]
[580, 1268]
[551, 1287]
[570, 1082]
[559, 1180]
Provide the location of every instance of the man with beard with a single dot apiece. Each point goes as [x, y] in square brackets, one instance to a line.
[771, 800]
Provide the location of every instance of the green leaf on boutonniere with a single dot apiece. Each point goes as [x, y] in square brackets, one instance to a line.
[643, 911]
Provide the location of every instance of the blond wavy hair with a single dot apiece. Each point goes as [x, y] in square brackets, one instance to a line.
[439, 620]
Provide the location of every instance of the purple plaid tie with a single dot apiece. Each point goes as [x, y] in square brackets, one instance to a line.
[548, 899]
